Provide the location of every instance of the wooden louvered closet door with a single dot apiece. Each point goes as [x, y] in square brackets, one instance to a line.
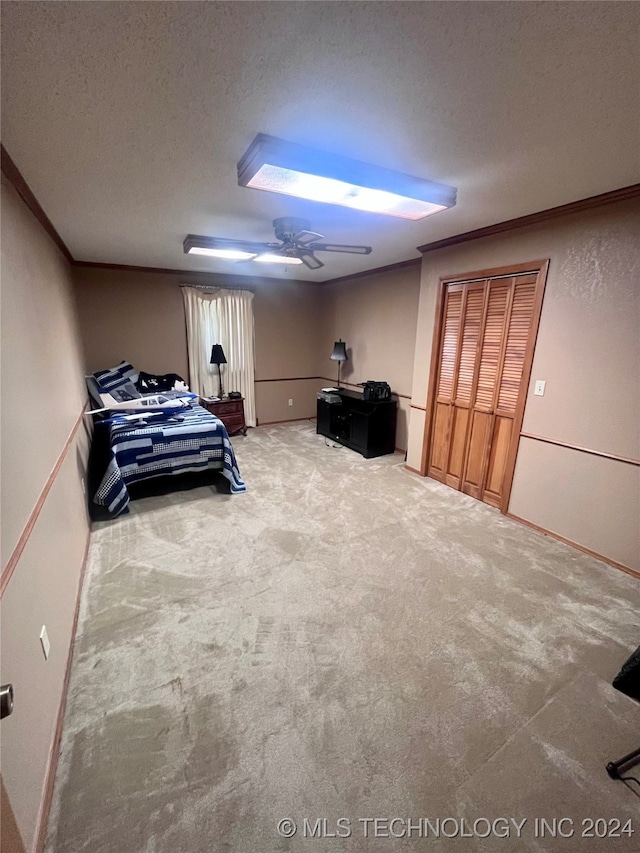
[486, 341]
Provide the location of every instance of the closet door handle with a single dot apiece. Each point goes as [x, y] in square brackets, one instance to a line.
[6, 700]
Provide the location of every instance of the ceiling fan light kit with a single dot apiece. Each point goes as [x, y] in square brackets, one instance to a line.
[218, 247]
[276, 259]
[297, 246]
[275, 165]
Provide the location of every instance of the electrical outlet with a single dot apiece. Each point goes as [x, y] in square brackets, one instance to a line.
[290, 402]
[539, 387]
[44, 640]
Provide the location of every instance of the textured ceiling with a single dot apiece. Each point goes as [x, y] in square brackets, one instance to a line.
[127, 119]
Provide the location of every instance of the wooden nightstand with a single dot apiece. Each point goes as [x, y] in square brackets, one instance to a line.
[230, 412]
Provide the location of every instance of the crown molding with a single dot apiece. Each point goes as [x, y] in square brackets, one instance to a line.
[622, 194]
[14, 176]
[97, 265]
[389, 268]
[195, 278]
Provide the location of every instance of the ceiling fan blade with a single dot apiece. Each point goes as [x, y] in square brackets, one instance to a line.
[338, 247]
[303, 238]
[310, 260]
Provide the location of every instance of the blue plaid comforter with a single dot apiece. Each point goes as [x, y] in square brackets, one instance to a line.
[196, 442]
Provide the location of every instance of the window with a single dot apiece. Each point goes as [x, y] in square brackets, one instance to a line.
[217, 316]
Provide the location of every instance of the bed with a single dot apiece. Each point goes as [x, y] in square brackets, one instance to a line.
[193, 441]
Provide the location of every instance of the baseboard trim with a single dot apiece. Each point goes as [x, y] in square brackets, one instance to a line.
[412, 470]
[287, 421]
[47, 799]
[14, 559]
[312, 418]
[576, 545]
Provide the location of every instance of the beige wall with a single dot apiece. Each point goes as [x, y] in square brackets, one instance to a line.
[139, 317]
[288, 335]
[42, 398]
[376, 315]
[588, 351]
[272, 400]
[41, 363]
[131, 316]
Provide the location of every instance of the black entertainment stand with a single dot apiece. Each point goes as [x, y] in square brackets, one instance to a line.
[367, 426]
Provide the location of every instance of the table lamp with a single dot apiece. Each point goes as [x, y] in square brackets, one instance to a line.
[339, 354]
[218, 357]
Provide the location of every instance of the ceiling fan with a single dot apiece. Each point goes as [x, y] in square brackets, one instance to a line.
[297, 245]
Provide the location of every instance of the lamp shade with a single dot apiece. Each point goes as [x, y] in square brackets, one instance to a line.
[217, 355]
[339, 351]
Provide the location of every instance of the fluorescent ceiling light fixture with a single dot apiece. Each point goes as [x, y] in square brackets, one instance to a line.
[277, 259]
[229, 254]
[231, 250]
[274, 165]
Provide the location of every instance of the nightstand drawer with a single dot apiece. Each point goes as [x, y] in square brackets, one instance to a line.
[233, 423]
[230, 412]
[228, 407]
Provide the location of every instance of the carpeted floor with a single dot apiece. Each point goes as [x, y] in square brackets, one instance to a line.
[345, 641]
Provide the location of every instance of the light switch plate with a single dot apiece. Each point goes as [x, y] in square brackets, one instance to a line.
[539, 387]
[44, 639]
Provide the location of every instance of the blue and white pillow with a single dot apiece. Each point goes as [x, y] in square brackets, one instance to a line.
[115, 377]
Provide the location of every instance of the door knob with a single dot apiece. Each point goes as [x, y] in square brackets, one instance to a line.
[6, 700]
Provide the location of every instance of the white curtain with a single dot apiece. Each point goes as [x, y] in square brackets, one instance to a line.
[217, 316]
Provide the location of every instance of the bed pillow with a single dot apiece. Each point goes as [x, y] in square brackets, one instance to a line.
[94, 391]
[116, 376]
[152, 383]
